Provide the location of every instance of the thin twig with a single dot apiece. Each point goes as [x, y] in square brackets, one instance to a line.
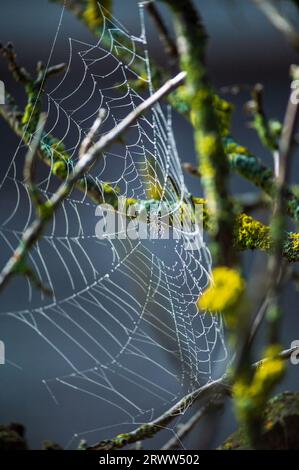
[55, 69]
[212, 158]
[279, 220]
[280, 22]
[30, 159]
[169, 44]
[191, 169]
[88, 142]
[150, 429]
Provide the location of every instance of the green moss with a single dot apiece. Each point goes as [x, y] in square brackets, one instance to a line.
[27, 113]
[280, 428]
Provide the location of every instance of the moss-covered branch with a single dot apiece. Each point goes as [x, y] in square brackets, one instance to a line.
[220, 387]
[15, 264]
[213, 163]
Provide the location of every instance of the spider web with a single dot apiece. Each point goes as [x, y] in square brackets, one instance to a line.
[122, 322]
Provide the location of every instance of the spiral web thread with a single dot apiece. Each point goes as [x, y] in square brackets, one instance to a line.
[122, 321]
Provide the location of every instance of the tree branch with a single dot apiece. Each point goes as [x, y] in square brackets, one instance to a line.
[169, 45]
[213, 162]
[220, 387]
[33, 233]
[280, 22]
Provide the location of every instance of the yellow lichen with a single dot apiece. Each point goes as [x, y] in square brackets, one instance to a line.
[295, 241]
[251, 397]
[93, 15]
[224, 293]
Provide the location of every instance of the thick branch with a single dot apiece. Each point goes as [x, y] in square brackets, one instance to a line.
[220, 387]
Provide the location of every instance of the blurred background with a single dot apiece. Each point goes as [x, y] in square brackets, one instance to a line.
[244, 49]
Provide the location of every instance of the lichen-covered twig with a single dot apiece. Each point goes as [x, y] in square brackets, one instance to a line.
[251, 234]
[186, 428]
[253, 390]
[46, 211]
[251, 168]
[50, 149]
[278, 222]
[216, 388]
[213, 163]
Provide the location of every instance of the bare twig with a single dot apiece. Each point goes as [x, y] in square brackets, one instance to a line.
[221, 387]
[165, 37]
[19, 73]
[33, 233]
[54, 70]
[150, 429]
[278, 219]
[212, 158]
[280, 22]
[29, 165]
[191, 169]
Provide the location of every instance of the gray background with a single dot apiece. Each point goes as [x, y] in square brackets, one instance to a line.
[244, 48]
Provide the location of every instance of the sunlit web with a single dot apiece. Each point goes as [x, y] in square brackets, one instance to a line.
[123, 323]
